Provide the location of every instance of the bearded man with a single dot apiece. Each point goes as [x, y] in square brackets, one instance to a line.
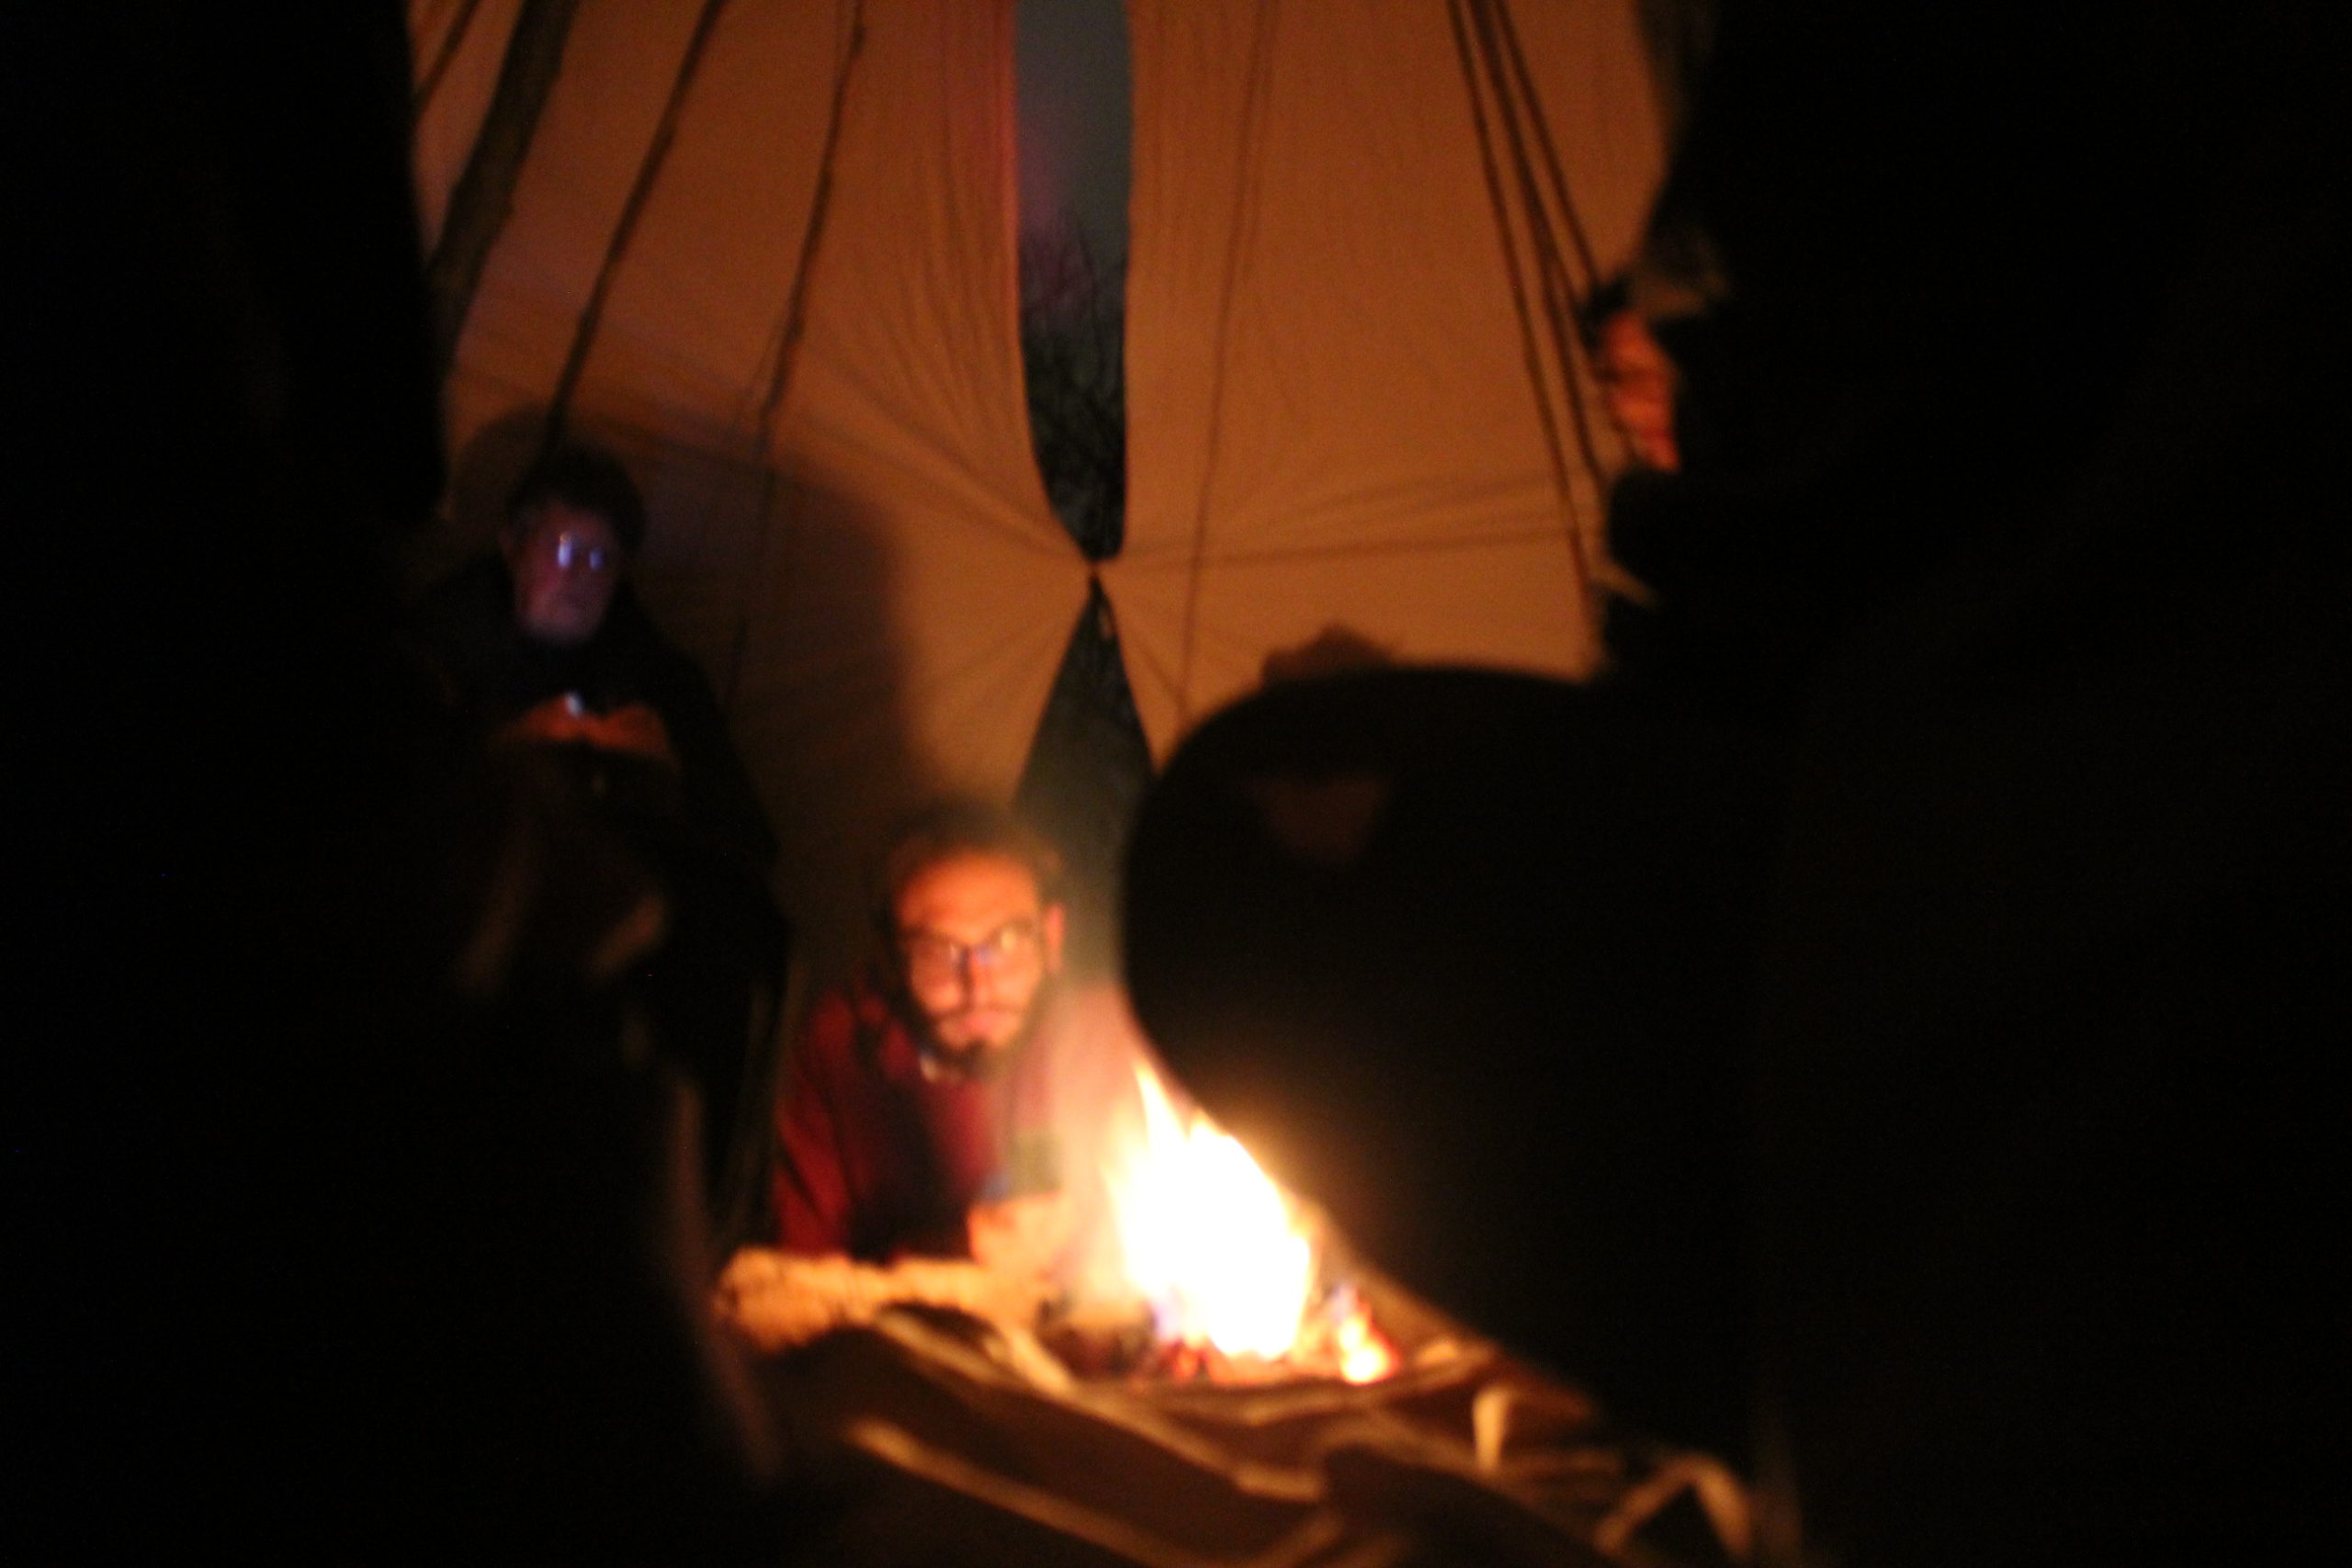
[957, 1097]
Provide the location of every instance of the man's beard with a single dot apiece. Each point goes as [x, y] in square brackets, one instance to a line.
[981, 1062]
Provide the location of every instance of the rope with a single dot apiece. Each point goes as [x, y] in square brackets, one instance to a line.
[1568, 339]
[430, 83]
[1559, 295]
[790, 327]
[1543, 130]
[1252, 134]
[1528, 342]
[648, 171]
[484, 195]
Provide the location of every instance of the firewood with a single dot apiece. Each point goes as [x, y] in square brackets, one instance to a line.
[778, 1300]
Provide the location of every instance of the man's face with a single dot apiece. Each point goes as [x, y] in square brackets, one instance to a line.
[567, 566]
[976, 945]
[1637, 390]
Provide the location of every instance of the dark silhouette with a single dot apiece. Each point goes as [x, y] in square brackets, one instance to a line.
[543, 646]
[1998, 633]
[350, 1216]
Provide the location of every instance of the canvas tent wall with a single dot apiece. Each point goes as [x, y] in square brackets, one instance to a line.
[766, 248]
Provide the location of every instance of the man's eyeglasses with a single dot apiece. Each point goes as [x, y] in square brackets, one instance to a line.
[937, 960]
[575, 554]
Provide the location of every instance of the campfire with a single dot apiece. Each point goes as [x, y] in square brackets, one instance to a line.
[1228, 1263]
[1207, 1271]
[1225, 1396]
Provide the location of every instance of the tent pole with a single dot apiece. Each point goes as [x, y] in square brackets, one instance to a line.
[789, 330]
[485, 193]
[648, 173]
[428, 80]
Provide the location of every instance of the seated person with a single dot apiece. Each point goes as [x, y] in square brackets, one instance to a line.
[543, 645]
[544, 641]
[958, 1098]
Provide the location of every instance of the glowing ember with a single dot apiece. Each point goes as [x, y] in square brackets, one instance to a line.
[1364, 1356]
[1221, 1255]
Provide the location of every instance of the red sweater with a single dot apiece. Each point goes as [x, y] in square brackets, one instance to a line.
[875, 1159]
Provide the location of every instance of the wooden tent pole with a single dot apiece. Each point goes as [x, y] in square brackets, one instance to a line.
[485, 193]
[648, 173]
[794, 320]
[428, 80]
[790, 328]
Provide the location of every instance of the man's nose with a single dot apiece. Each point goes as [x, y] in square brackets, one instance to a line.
[967, 976]
[982, 980]
[978, 978]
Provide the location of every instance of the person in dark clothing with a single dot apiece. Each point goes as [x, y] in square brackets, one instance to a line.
[435, 1280]
[544, 641]
[543, 645]
[1927, 924]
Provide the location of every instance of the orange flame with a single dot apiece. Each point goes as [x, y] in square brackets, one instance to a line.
[1222, 1254]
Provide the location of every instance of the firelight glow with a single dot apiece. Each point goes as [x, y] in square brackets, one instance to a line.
[1208, 1239]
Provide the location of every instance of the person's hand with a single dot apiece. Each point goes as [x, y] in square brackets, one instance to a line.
[634, 728]
[1021, 1238]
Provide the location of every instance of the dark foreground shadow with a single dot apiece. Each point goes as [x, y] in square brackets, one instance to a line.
[1465, 956]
